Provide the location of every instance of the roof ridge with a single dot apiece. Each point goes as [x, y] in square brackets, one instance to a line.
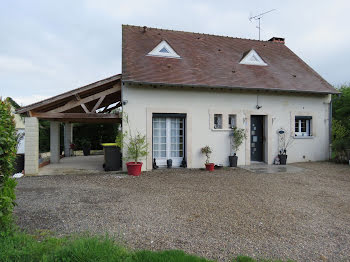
[188, 32]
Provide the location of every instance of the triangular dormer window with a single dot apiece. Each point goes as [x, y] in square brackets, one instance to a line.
[163, 49]
[252, 58]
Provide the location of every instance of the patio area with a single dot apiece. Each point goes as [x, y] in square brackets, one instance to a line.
[74, 165]
[303, 216]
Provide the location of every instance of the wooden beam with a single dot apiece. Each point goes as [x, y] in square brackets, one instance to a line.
[72, 104]
[67, 116]
[98, 104]
[80, 90]
[85, 108]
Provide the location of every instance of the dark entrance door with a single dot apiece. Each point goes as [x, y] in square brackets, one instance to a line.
[256, 138]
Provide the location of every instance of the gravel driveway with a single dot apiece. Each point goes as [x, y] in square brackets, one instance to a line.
[301, 216]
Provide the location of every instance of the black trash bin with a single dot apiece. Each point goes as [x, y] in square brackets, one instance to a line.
[112, 157]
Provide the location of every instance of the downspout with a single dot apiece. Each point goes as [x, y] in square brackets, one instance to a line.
[330, 128]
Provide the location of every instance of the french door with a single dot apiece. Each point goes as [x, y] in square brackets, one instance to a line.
[168, 140]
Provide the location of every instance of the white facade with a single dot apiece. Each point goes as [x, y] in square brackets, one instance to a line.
[200, 105]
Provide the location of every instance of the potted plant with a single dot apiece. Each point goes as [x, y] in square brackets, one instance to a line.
[86, 145]
[283, 148]
[207, 151]
[136, 148]
[237, 137]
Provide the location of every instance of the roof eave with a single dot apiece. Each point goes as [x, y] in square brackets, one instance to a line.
[230, 87]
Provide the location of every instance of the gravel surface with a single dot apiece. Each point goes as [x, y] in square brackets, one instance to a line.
[301, 216]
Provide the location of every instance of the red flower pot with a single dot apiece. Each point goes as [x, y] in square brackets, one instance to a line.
[134, 168]
[209, 167]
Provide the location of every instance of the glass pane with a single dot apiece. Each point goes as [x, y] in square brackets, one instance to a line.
[163, 132]
[155, 124]
[155, 154]
[156, 132]
[163, 139]
[163, 146]
[163, 124]
[155, 140]
[162, 153]
[155, 147]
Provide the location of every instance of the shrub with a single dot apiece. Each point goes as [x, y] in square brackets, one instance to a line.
[136, 144]
[238, 136]
[8, 143]
[207, 152]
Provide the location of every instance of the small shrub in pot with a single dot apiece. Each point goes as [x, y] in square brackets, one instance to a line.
[207, 152]
[238, 135]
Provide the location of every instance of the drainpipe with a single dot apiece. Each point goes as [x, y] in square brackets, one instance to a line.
[330, 128]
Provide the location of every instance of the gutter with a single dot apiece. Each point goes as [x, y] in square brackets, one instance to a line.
[227, 87]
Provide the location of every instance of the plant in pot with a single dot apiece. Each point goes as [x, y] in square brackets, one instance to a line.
[136, 148]
[86, 146]
[207, 151]
[238, 135]
[282, 155]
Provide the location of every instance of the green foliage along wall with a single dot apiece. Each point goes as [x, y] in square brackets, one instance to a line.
[8, 143]
[341, 124]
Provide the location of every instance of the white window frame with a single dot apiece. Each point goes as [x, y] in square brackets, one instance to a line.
[218, 121]
[230, 118]
[298, 127]
[160, 46]
[247, 59]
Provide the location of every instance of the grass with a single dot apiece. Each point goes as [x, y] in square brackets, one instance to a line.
[24, 247]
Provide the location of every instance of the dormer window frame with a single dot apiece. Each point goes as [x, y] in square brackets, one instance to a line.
[247, 59]
[164, 45]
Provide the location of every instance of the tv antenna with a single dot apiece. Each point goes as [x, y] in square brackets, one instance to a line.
[258, 17]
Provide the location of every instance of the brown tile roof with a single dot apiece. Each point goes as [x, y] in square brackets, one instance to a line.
[213, 61]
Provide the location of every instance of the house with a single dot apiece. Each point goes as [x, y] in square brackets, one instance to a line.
[187, 90]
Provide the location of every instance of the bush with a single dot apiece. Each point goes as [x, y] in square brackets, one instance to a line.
[8, 143]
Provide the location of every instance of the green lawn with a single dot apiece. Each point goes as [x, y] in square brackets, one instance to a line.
[23, 247]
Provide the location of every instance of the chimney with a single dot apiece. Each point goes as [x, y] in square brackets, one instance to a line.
[277, 40]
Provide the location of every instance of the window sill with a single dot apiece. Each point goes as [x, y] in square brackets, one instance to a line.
[303, 137]
[222, 129]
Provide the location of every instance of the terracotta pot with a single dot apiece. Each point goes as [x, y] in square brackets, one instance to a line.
[134, 168]
[209, 166]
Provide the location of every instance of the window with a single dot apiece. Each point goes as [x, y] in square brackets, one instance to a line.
[303, 126]
[252, 58]
[231, 121]
[163, 49]
[217, 121]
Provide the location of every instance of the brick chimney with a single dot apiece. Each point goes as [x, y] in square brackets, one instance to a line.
[277, 40]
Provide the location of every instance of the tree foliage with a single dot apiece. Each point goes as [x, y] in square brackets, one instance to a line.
[341, 123]
[8, 143]
[135, 143]
[238, 136]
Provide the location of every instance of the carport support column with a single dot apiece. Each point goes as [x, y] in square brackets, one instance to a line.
[54, 142]
[31, 146]
[68, 138]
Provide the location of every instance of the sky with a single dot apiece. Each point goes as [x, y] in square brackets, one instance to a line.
[49, 47]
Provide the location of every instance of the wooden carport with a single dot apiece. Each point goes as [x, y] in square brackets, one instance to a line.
[93, 103]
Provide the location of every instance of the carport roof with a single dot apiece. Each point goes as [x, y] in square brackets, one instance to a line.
[80, 104]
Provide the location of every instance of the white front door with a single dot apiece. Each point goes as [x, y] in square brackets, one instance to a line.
[168, 140]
